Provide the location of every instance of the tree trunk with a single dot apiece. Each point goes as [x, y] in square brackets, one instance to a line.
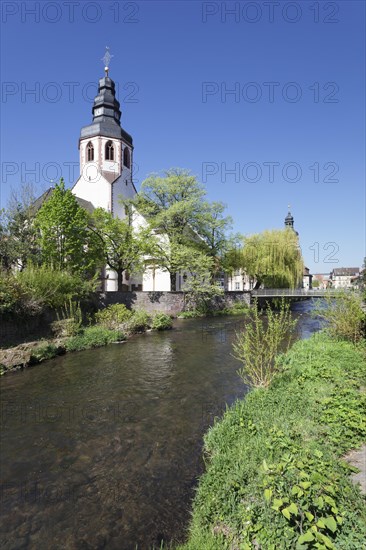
[173, 281]
[119, 280]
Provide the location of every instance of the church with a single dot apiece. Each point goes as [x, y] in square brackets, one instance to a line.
[106, 175]
[106, 160]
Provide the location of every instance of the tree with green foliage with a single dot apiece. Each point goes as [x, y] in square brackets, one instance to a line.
[272, 258]
[123, 247]
[213, 228]
[174, 205]
[18, 234]
[64, 236]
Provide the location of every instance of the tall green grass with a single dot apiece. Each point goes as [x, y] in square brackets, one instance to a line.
[275, 479]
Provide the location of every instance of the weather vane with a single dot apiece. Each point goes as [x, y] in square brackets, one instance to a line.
[106, 60]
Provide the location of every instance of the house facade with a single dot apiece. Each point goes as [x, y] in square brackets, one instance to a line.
[344, 277]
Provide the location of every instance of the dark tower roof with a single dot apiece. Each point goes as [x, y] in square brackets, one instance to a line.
[106, 114]
[289, 220]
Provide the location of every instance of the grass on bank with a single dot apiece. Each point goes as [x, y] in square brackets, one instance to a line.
[275, 479]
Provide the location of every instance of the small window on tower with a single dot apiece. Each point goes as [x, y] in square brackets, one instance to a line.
[126, 157]
[109, 151]
[90, 151]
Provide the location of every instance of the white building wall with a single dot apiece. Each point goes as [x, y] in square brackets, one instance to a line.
[94, 187]
[156, 279]
[341, 281]
[123, 186]
[239, 281]
[97, 191]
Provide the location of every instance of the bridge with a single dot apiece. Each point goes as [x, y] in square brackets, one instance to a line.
[292, 293]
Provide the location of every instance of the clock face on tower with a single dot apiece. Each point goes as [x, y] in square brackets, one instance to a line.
[97, 112]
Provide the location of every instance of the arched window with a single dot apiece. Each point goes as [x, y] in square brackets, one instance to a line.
[90, 151]
[126, 157]
[109, 151]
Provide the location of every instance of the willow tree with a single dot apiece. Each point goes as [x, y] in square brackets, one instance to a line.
[273, 258]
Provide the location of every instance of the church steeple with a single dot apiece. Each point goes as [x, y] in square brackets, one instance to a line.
[289, 220]
[106, 114]
[106, 110]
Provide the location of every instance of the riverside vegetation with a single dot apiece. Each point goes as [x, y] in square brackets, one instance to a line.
[113, 324]
[61, 240]
[275, 476]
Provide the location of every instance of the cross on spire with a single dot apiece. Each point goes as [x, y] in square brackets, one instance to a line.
[107, 59]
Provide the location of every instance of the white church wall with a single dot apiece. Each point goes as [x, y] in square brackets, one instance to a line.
[97, 191]
[157, 280]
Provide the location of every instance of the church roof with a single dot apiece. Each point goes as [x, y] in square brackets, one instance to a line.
[38, 203]
[106, 114]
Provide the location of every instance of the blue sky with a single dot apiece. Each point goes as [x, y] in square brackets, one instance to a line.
[291, 132]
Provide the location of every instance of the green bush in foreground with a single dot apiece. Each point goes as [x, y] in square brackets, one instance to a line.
[275, 479]
[139, 322]
[258, 345]
[344, 315]
[113, 316]
[161, 321]
[93, 337]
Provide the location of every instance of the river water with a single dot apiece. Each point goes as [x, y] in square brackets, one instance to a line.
[103, 448]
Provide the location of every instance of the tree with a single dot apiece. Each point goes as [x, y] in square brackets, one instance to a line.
[64, 236]
[175, 206]
[273, 258]
[198, 286]
[123, 248]
[18, 234]
[212, 228]
[172, 203]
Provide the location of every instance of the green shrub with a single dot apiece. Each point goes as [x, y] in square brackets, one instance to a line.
[275, 478]
[43, 352]
[257, 346]
[191, 314]
[93, 337]
[238, 308]
[11, 293]
[53, 288]
[69, 321]
[161, 321]
[139, 321]
[344, 315]
[113, 316]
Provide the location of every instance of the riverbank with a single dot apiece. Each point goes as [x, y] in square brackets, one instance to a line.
[118, 324]
[275, 475]
[114, 324]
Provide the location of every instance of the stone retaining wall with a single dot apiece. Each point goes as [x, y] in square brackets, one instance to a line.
[18, 329]
[171, 303]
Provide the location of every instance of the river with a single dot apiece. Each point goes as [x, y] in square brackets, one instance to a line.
[103, 448]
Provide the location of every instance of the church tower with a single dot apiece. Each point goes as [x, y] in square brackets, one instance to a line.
[106, 153]
[289, 220]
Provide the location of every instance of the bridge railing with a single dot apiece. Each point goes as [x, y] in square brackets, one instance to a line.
[296, 292]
